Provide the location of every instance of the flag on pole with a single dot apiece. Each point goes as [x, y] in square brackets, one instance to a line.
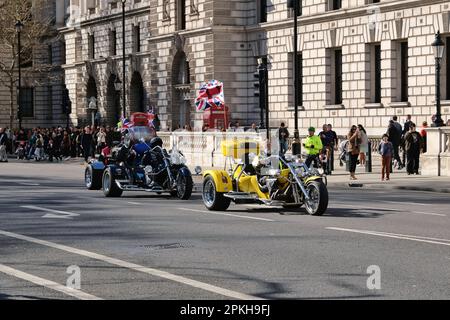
[151, 117]
[210, 94]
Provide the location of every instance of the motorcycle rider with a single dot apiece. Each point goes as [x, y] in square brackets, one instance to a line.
[313, 146]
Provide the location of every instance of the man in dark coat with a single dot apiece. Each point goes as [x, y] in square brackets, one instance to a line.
[86, 143]
[413, 147]
[395, 138]
[406, 128]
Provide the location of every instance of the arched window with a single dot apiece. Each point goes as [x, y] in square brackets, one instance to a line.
[183, 76]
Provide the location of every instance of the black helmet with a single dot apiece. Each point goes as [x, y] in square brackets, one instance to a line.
[156, 141]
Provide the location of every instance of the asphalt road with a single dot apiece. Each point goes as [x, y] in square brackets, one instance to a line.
[143, 246]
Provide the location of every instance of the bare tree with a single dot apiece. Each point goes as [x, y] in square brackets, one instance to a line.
[36, 31]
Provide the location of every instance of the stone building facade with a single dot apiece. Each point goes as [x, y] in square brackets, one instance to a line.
[42, 80]
[362, 61]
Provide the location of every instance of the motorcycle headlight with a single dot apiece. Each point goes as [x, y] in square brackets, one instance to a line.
[177, 159]
[273, 172]
[321, 171]
[198, 170]
[148, 169]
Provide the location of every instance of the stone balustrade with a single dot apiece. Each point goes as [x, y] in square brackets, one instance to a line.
[204, 148]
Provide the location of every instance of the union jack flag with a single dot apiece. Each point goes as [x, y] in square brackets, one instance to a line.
[151, 117]
[210, 94]
[125, 124]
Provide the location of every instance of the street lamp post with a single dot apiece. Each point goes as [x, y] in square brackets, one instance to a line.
[19, 28]
[124, 110]
[294, 4]
[438, 49]
[264, 98]
[118, 86]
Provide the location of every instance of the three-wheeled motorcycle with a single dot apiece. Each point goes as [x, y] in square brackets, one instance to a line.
[140, 163]
[271, 180]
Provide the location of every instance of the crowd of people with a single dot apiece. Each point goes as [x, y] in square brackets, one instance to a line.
[400, 147]
[398, 139]
[55, 144]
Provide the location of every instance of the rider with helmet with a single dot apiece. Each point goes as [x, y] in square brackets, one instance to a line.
[313, 146]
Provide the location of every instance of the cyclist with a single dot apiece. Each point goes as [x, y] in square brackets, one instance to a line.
[313, 146]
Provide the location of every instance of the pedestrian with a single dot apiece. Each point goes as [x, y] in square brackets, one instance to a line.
[156, 123]
[238, 128]
[32, 144]
[101, 140]
[405, 130]
[9, 140]
[253, 128]
[313, 146]
[65, 146]
[50, 150]
[283, 136]
[413, 147]
[73, 142]
[3, 142]
[363, 146]
[397, 125]
[86, 143]
[395, 137]
[353, 149]
[327, 139]
[39, 150]
[334, 145]
[423, 134]
[386, 150]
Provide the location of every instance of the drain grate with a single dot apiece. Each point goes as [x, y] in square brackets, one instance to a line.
[165, 246]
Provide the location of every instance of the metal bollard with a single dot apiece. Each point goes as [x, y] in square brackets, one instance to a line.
[369, 158]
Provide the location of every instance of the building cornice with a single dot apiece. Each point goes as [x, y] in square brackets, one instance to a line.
[107, 18]
[343, 14]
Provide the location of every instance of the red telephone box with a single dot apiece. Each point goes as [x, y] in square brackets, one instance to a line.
[217, 117]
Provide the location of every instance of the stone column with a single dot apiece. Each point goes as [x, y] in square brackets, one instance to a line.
[436, 161]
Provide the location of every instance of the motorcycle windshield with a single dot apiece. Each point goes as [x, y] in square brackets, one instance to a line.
[142, 133]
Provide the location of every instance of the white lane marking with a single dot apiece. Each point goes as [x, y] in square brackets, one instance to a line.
[226, 214]
[396, 236]
[430, 213]
[408, 203]
[29, 184]
[135, 203]
[136, 267]
[48, 284]
[55, 214]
